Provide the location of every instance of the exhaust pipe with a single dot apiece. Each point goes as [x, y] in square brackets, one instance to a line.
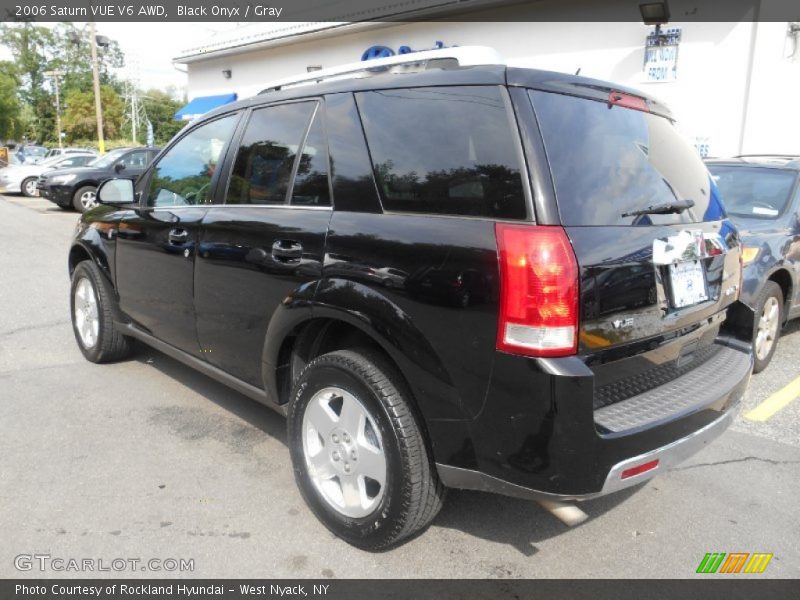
[569, 514]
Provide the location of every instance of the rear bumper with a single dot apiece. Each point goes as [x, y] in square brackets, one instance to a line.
[667, 456]
[540, 436]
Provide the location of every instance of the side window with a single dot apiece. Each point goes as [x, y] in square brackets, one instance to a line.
[183, 175]
[311, 182]
[135, 160]
[449, 151]
[69, 162]
[266, 157]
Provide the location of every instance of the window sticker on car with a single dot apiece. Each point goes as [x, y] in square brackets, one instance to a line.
[769, 212]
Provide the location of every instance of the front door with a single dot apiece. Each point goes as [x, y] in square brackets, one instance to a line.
[156, 244]
[266, 243]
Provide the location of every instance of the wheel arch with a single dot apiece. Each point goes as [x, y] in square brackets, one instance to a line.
[783, 278]
[359, 316]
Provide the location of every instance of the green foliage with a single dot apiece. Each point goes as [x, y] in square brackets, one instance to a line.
[10, 109]
[37, 50]
[161, 108]
[27, 95]
[79, 119]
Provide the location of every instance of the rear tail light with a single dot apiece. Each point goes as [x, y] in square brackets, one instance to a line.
[538, 291]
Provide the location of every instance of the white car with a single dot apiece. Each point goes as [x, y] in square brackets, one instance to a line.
[22, 178]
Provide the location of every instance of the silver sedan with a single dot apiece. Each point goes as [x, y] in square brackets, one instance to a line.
[21, 178]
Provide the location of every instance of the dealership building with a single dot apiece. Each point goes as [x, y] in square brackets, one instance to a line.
[733, 86]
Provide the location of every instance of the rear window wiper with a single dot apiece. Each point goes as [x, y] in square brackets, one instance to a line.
[661, 209]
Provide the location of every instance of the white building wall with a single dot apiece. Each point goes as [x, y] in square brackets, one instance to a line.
[709, 97]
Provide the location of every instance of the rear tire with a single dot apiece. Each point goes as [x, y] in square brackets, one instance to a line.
[767, 325]
[91, 301]
[28, 187]
[373, 484]
[85, 198]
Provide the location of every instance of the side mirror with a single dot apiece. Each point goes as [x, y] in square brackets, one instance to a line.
[116, 192]
[119, 167]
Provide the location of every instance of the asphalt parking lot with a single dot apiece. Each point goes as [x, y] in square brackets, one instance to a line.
[149, 459]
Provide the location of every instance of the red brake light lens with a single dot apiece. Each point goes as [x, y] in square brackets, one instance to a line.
[538, 291]
[628, 101]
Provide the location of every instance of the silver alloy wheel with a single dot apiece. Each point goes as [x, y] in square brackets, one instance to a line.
[87, 320]
[767, 328]
[87, 200]
[344, 452]
[30, 187]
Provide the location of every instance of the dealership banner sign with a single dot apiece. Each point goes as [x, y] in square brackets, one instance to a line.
[416, 589]
[236, 11]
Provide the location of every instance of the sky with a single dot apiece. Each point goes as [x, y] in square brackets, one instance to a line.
[150, 47]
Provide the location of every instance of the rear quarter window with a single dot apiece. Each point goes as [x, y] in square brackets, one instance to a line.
[609, 160]
[446, 150]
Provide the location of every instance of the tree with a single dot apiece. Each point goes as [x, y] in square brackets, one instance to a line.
[38, 49]
[161, 108]
[79, 120]
[10, 109]
[31, 45]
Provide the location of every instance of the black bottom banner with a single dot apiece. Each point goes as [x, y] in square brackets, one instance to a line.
[348, 589]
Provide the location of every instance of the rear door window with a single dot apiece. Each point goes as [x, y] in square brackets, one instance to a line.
[445, 150]
[610, 160]
[266, 158]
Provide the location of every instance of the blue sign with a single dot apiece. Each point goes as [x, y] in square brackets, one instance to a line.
[384, 51]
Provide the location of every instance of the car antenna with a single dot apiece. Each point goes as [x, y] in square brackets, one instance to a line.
[578, 72]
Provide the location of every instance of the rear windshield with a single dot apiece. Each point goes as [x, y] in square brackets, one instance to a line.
[753, 192]
[609, 161]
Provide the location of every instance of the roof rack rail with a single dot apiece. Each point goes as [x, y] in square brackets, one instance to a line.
[780, 156]
[464, 56]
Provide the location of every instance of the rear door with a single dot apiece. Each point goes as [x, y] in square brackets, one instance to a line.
[266, 242]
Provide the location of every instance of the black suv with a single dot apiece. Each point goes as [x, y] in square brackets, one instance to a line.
[762, 196]
[76, 188]
[251, 246]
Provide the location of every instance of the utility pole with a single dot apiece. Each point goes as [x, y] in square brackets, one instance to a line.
[134, 115]
[55, 75]
[98, 108]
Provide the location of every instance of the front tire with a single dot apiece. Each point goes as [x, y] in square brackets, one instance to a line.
[91, 301]
[85, 198]
[767, 326]
[359, 454]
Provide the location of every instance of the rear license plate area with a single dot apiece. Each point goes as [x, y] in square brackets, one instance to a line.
[687, 283]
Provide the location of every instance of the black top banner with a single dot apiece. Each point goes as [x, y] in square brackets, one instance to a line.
[390, 10]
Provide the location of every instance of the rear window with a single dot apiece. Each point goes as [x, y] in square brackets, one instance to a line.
[446, 150]
[753, 192]
[607, 161]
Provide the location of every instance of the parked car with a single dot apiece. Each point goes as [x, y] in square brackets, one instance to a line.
[762, 196]
[60, 151]
[75, 188]
[391, 398]
[23, 178]
[13, 159]
[32, 153]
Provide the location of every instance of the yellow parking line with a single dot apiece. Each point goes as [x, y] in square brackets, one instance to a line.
[774, 403]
